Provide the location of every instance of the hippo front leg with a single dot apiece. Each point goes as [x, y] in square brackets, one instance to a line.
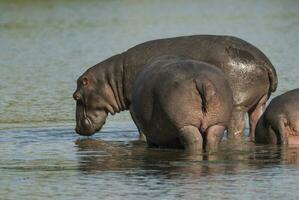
[191, 139]
[142, 136]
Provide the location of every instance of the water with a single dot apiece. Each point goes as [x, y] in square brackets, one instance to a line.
[46, 45]
[55, 163]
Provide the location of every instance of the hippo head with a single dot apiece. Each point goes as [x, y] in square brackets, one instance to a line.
[93, 97]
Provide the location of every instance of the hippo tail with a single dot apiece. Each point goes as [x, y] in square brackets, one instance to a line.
[272, 77]
[205, 90]
[281, 137]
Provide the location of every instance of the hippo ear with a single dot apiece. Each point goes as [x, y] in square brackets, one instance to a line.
[85, 81]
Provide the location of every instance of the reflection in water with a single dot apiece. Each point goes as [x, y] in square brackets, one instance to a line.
[114, 165]
[96, 156]
[290, 155]
[226, 174]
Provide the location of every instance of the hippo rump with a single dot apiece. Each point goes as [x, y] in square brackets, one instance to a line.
[182, 103]
[107, 86]
[280, 122]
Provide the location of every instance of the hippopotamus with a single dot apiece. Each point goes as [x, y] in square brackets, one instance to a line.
[107, 87]
[182, 103]
[280, 122]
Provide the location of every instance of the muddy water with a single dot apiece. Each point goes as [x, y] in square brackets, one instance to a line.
[46, 45]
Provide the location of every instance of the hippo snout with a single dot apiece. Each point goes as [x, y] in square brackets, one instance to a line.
[85, 127]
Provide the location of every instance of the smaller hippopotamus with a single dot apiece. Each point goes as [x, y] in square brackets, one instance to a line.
[280, 122]
[182, 103]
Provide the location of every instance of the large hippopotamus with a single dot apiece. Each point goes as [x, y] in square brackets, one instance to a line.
[182, 103]
[280, 122]
[107, 86]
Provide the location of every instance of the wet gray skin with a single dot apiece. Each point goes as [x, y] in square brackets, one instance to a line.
[182, 103]
[91, 111]
[280, 122]
[249, 72]
[98, 93]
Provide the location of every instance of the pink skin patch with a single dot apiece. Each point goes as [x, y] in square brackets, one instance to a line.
[293, 133]
[293, 139]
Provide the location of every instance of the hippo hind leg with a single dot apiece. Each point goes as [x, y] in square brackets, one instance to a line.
[191, 139]
[265, 133]
[214, 136]
[237, 124]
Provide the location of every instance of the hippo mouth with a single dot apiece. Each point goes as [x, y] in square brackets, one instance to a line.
[88, 123]
[88, 128]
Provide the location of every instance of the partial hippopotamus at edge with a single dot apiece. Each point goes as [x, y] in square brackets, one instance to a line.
[182, 103]
[107, 87]
[280, 122]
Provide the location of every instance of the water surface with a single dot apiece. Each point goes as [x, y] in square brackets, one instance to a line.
[46, 45]
[55, 163]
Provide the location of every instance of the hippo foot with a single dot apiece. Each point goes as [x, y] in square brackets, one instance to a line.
[142, 137]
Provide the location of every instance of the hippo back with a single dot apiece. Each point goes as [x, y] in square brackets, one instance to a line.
[238, 59]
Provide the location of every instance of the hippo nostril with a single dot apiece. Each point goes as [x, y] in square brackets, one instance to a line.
[76, 96]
